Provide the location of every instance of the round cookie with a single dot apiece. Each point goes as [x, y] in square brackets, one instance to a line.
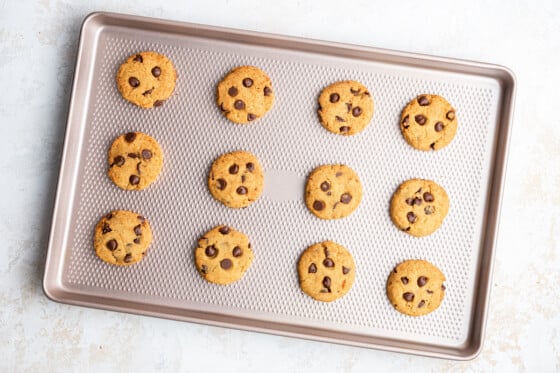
[122, 238]
[146, 79]
[333, 191]
[326, 271]
[415, 287]
[236, 179]
[428, 122]
[135, 161]
[345, 108]
[245, 94]
[223, 255]
[419, 206]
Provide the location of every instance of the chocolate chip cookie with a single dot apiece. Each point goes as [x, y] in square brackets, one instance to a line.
[146, 79]
[223, 255]
[415, 287]
[122, 238]
[429, 122]
[419, 206]
[236, 179]
[135, 161]
[345, 108]
[333, 191]
[326, 271]
[245, 94]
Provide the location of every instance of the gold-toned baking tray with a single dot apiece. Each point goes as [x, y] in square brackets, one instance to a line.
[289, 141]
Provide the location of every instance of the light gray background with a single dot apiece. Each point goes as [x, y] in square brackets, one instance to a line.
[38, 43]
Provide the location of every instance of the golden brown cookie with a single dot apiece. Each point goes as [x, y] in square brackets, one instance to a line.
[326, 271]
[333, 191]
[146, 79]
[245, 94]
[419, 206]
[415, 287]
[236, 179]
[345, 108]
[122, 238]
[223, 255]
[428, 122]
[135, 161]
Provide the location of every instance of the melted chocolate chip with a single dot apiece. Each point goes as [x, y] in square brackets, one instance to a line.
[319, 205]
[118, 161]
[420, 119]
[357, 111]
[232, 91]
[345, 270]
[421, 304]
[411, 217]
[138, 58]
[250, 166]
[328, 262]
[241, 190]
[423, 101]
[106, 228]
[226, 263]
[404, 280]
[247, 82]
[224, 230]
[428, 197]
[422, 280]
[130, 137]
[438, 126]
[146, 154]
[267, 91]
[325, 186]
[156, 71]
[344, 129]
[405, 122]
[409, 297]
[237, 252]
[134, 180]
[312, 268]
[128, 258]
[239, 105]
[134, 82]
[233, 169]
[251, 117]
[334, 97]
[211, 251]
[346, 198]
[221, 184]
[450, 115]
[112, 245]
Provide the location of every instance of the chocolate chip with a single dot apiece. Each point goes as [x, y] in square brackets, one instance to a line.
[267, 91]
[233, 169]
[334, 97]
[156, 71]
[250, 166]
[247, 82]
[411, 217]
[438, 126]
[409, 297]
[423, 101]
[450, 115]
[429, 292]
[241, 190]
[325, 186]
[422, 280]
[158, 103]
[204, 269]
[345, 270]
[327, 283]
[442, 287]
[346, 198]
[340, 119]
[146, 154]
[232, 91]
[349, 107]
[433, 146]
[112, 245]
[132, 155]
[404, 280]
[251, 117]
[237, 252]
[134, 82]
[421, 304]
[141, 218]
[106, 228]
[405, 122]
[221, 184]
[243, 178]
[344, 129]
[319, 205]
[428, 197]
[357, 111]
[328, 262]
[226, 263]
[312, 268]
[134, 180]
[138, 230]
[239, 105]
[130, 137]
[355, 92]
[222, 108]
[420, 119]
[119, 160]
[138, 167]
[224, 230]
[211, 251]
[429, 210]
[338, 174]
[136, 240]
[414, 201]
[127, 258]
[138, 58]
[148, 92]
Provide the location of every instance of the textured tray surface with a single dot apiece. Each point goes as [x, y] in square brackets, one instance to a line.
[290, 142]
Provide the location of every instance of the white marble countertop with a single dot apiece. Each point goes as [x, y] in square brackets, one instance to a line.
[38, 43]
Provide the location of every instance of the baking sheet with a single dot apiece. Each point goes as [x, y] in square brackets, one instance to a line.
[289, 141]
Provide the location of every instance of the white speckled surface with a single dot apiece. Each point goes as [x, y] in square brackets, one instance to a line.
[38, 42]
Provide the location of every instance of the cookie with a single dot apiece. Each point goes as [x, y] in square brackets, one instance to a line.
[428, 122]
[415, 287]
[135, 161]
[326, 271]
[122, 238]
[345, 108]
[223, 255]
[245, 94]
[419, 206]
[236, 179]
[333, 191]
[146, 79]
